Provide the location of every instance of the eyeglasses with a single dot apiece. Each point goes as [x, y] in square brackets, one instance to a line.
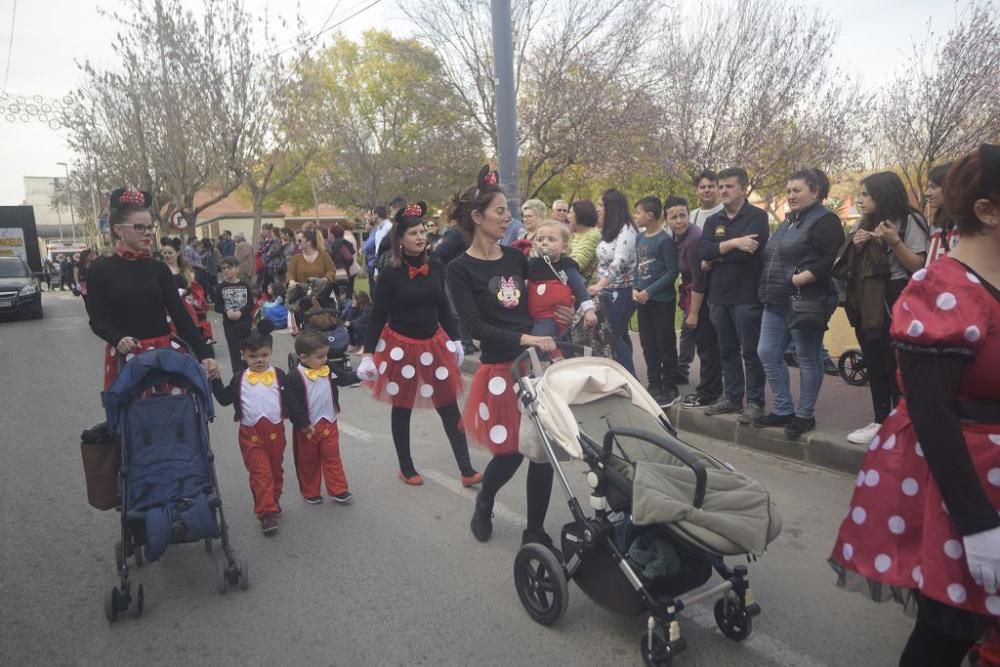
[142, 229]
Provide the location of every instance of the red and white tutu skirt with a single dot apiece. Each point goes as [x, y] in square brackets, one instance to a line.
[897, 537]
[416, 373]
[491, 417]
[114, 360]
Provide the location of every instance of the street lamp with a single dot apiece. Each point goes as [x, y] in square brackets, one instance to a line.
[69, 185]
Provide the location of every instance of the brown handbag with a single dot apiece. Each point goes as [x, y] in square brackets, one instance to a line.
[101, 453]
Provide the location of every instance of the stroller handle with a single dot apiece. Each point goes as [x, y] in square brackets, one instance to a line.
[670, 445]
[526, 362]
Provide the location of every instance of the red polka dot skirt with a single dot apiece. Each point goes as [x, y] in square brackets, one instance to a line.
[491, 415]
[416, 373]
[114, 360]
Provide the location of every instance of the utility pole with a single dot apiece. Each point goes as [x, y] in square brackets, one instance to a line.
[506, 104]
[69, 186]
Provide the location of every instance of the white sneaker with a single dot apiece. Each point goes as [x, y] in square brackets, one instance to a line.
[864, 434]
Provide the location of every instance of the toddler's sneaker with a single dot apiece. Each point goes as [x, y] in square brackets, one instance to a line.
[314, 500]
[268, 523]
[343, 498]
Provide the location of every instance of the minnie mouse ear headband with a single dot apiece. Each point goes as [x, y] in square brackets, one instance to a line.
[989, 165]
[129, 197]
[415, 210]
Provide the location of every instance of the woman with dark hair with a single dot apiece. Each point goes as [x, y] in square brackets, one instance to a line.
[924, 528]
[883, 249]
[411, 359]
[616, 265]
[798, 259]
[342, 252]
[211, 264]
[132, 298]
[313, 262]
[582, 219]
[944, 235]
[487, 284]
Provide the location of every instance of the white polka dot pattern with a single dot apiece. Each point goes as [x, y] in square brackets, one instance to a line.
[910, 486]
[916, 329]
[897, 525]
[380, 345]
[953, 549]
[382, 366]
[497, 386]
[426, 390]
[847, 551]
[408, 371]
[993, 476]
[973, 278]
[918, 575]
[972, 333]
[426, 359]
[871, 478]
[396, 353]
[946, 301]
[451, 346]
[956, 593]
[890, 442]
[920, 275]
[498, 434]
[392, 388]
[873, 445]
[441, 373]
[858, 515]
[993, 604]
[883, 562]
[484, 412]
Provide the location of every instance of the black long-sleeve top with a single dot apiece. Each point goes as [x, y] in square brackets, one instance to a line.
[133, 298]
[234, 296]
[736, 274]
[492, 301]
[826, 237]
[414, 306]
[291, 405]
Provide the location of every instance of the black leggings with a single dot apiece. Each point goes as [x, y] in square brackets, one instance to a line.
[450, 416]
[499, 471]
[928, 646]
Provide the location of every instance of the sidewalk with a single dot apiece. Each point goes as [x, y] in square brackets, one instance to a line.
[840, 410]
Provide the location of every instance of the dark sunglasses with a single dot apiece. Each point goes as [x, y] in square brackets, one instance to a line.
[142, 229]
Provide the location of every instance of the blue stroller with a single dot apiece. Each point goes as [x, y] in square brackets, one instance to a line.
[160, 405]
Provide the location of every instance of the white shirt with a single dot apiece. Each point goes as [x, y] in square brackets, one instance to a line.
[699, 216]
[319, 398]
[380, 233]
[259, 401]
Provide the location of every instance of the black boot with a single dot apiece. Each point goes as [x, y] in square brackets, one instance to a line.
[540, 537]
[482, 519]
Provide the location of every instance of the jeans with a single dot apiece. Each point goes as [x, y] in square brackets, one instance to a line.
[774, 338]
[738, 327]
[618, 308]
[659, 343]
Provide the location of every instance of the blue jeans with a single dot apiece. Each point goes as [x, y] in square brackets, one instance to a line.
[774, 339]
[618, 308]
[738, 327]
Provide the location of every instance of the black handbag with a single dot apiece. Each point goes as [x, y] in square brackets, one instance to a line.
[807, 312]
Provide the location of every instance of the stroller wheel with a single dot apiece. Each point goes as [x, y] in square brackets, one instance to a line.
[118, 556]
[656, 650]
[733, 619]
[244, 574]
[223, 579]
[851, 367]
[138, 602]
[541, 583]
[111, 605]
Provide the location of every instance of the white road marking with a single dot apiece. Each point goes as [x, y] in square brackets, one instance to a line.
[772, 648]
[355, 432]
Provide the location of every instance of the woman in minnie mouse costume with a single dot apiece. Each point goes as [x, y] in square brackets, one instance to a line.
[416, 363]
[923, 527]
[131, 294]
[487, 284]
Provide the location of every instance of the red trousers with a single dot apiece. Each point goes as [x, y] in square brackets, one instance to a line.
[317, 459]
[263, 447]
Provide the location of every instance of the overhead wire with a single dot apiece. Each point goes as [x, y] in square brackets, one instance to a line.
[10, 46]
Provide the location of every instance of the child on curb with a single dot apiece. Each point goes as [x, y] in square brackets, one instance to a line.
[315, 436]
[654, 293]
[261, 399]
[554, 280]
[233, 302]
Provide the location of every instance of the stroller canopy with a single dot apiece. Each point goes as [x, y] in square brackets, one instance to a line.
[151, 368]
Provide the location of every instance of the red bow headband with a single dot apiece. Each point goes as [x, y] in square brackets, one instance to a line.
[132, 197]
[413, 211]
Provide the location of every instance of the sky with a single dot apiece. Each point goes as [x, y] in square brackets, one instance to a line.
[51, 36]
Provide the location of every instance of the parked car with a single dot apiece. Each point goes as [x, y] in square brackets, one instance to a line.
[20, 291]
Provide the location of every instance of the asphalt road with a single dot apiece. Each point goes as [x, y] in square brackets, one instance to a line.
[394, 579]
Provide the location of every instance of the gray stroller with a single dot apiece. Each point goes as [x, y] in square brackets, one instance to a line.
[665, 513]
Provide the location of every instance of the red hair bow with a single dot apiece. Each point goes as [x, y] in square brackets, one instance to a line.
[132, 197]
[413, 211]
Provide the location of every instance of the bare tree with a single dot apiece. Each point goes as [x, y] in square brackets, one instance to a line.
[736, 89]
[944, 103]
[578, 77]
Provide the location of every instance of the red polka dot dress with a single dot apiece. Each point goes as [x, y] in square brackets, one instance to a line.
[898, 535]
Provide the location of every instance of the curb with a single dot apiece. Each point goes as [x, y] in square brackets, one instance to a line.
[815, 448]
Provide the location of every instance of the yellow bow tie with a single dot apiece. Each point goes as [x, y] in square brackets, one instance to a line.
[267, 377]
[317, 373]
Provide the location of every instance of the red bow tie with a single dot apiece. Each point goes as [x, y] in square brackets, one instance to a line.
[422, 271]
